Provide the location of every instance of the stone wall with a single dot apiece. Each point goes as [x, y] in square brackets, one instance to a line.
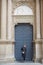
[6, 50]
[42, 18]
[42, 26]
[0, 18]
[7, 44]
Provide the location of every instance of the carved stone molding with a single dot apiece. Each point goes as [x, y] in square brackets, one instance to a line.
[29, 3]
[23, 0]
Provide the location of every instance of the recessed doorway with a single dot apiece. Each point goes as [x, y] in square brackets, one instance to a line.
[24, 35]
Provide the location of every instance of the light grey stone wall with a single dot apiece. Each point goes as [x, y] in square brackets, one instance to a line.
[0, 18]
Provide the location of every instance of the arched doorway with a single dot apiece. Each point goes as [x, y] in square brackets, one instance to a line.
[24, 35]
[23, 31]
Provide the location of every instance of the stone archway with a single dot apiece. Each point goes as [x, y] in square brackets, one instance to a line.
[36, 28]
[21, 10]
[23, 19]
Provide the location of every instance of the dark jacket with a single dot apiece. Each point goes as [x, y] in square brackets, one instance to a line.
[23, 50]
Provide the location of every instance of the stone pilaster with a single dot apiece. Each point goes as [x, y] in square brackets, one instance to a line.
[38, 43]
[9, 19]
[42, 26]
[38, 18]
[9, 47]
[0, 18]
[3, 19]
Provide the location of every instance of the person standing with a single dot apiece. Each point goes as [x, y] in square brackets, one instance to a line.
[23, 51]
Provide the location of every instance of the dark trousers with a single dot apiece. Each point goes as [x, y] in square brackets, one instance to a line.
[23, 55]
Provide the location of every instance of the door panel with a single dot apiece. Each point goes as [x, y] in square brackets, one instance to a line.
[23, 35]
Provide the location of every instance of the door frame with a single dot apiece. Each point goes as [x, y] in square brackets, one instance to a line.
[32, 42]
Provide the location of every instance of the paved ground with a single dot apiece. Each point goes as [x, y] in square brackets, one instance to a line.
[21, 63]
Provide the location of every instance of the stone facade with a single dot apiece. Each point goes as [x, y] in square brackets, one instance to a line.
[8, 21]
[42, 25]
